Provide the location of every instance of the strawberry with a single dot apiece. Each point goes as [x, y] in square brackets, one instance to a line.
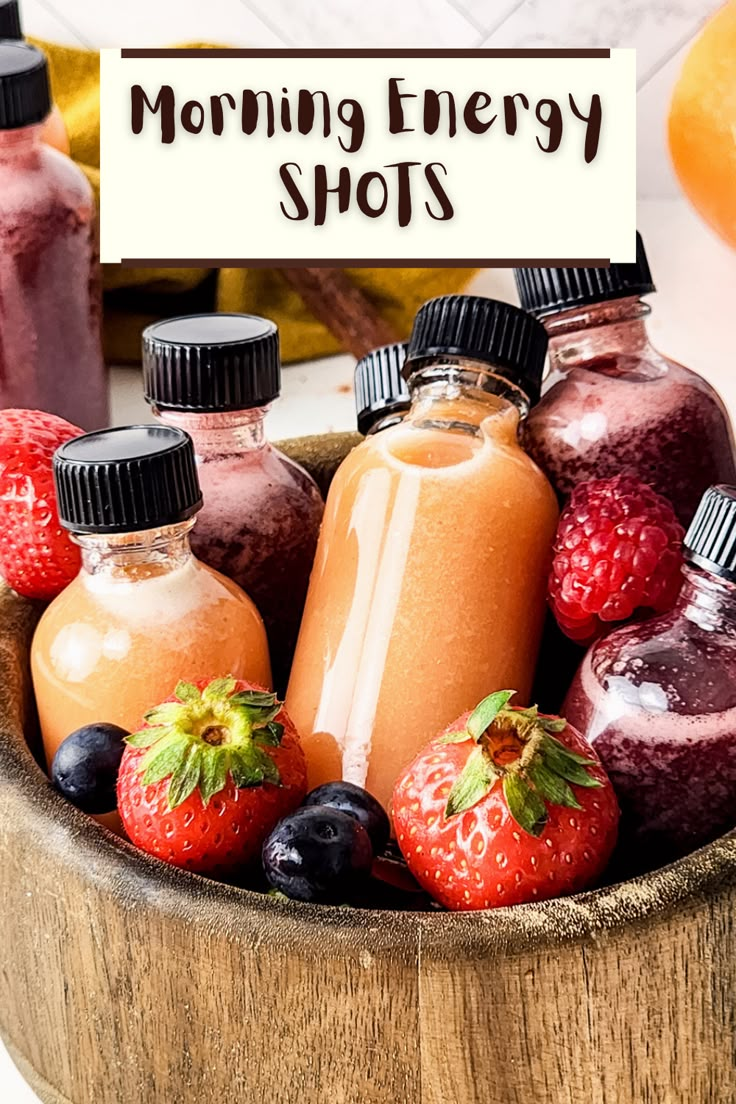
[208, 776]
[37, 556]
[507, 806]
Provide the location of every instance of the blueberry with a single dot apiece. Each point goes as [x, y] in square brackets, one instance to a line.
[318, 854]
[85, 767]
[357, 803]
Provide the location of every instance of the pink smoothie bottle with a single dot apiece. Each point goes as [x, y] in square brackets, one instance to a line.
[658, 700]
[611, 402]
[215, 376]
[50, 348]
[54, 130]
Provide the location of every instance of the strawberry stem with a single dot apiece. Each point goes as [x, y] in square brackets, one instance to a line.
[202, 738]
[518, 749]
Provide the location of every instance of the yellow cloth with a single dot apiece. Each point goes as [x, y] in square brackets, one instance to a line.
[142, 294]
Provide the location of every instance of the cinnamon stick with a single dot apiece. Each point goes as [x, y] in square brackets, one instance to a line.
[333, 298]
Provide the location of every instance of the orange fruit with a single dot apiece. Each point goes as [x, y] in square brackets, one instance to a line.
[702, 123]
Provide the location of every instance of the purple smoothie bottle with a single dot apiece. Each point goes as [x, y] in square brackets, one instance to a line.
[658, 701]
[611, 402]
[50, 348]
[215, 376]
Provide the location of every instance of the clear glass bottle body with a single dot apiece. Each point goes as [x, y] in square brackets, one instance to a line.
[50, 297]
[428, 588]
[613, 404]
[658, 701]
[54, 131]
[142, 614]
[260, 519]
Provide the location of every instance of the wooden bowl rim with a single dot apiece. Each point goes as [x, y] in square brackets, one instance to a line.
[122, 871]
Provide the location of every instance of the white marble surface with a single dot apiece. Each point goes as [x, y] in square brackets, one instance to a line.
[658, 29]
[696, 275]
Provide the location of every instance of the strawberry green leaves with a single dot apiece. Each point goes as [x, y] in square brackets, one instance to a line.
[485, 714]
[525, 805]
[205, 736]
[481, 718]
[212, 774]
[164, 758]
[567, 764]
[518, 748]
[477, 778]
[185, 778]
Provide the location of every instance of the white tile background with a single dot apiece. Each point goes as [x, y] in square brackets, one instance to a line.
[695, 273]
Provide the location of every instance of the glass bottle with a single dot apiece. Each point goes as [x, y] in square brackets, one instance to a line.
[428, 589]
[50, 347]
[54, 130]
[611, 402]
[215, 375]
[381, 395]
[143, 613]
[658, 701]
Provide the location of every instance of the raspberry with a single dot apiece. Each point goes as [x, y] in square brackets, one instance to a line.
[618, 549]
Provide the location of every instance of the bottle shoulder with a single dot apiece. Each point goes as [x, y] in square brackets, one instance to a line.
[666, 664]
[262, 485]
[44, 178]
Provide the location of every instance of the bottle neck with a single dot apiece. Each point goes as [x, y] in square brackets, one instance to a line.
[221, 433]
[708, 601]
[583, 336]
[458, 394]
[20, 142]
[131, 557]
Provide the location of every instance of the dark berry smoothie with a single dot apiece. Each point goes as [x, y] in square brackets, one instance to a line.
[259, 526]
[658, 701]
[50, 305]
[624, 414]
[214, 376]
[612, 404]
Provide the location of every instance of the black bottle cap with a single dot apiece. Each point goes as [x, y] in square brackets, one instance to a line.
[550, 290]
[126, 480]
[25, 96]
[482, 329]
[210, 362]
[710, 542]
[10, 20]
[380, 388]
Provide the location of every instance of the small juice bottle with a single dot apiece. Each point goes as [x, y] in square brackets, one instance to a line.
[54, 132]
[381, 395]
[143, 613]
[658, 701]
[612, 403]
[50, 295]
[428, 589]
[215, 376]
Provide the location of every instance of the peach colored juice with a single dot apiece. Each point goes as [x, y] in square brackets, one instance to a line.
[428, 589]
[143, 613]
[110, 647]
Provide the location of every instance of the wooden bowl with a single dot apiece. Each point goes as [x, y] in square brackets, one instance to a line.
[125, 980]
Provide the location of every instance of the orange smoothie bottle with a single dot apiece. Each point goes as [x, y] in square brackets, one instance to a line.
[428, 589]
[143, 612]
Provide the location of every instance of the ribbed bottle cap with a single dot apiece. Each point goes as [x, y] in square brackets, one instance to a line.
[25, 96]
[210, 362]
[126, 480]
[380, 388]
[550, 290]
[482, 329]
[710, 542]
[10, 20]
